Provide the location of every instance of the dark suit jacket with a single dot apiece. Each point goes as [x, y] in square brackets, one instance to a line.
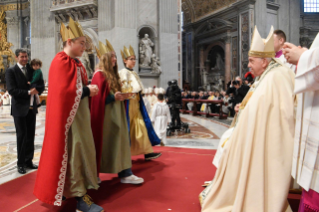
[241, 93]
[18, 87]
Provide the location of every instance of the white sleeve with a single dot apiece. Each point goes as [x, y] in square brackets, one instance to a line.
[154, 113]
[169, 119]
[123, 75]
[307, 78]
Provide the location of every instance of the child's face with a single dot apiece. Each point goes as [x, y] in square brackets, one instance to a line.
[130, 62]
[36, 67]
[78, 46]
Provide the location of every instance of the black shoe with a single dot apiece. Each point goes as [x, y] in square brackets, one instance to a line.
[21, 170]
[85, 204]
[31, 166]
[152, 156]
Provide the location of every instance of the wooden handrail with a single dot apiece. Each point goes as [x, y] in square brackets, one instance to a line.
[194, 112]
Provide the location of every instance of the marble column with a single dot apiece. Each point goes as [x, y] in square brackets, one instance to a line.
[202, 65]
[227, 60]
[168, 40]
[13, 33]
[43, 33]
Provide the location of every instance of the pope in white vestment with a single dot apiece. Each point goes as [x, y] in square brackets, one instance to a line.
[161, 116]
[254, 169]
[305, 167]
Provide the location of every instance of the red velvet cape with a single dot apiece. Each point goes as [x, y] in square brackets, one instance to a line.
[64, 95]
[97, 106]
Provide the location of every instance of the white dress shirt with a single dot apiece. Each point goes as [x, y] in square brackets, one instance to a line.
[21, 66]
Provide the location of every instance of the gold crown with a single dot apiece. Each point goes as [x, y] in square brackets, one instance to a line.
[127, 52]
[103, 49]
[263, 48]
[74, 30]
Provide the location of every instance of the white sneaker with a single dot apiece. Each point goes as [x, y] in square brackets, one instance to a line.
[132, 180]
[99, 180]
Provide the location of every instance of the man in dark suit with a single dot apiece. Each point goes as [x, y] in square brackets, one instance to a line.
[17, 78]
[241, 90]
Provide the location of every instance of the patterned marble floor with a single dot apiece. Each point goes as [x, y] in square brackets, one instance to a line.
[205, 134]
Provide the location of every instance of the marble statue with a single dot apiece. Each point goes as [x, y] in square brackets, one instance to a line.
[155, 65]
[146, 51]
[220, 84]
[86, 63]
[219, 65]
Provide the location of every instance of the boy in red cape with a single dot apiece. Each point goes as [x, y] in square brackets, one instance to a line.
[67, 165]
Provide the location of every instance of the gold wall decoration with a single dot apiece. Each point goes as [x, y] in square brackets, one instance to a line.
[201, 8]
[9, 7]
[4, 44]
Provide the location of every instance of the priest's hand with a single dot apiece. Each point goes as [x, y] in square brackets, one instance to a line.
[237, 108]
[94, 90]
[293, 53]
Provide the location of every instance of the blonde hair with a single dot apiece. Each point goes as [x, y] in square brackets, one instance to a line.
[110, 73]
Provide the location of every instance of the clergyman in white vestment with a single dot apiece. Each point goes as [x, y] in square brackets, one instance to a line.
[305, 167]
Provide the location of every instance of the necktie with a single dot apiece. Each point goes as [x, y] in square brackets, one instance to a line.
[24, 71]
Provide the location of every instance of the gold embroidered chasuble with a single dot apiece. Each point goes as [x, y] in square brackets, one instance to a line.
[254, 170]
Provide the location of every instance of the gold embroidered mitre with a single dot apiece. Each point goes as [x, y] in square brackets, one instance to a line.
[103, 49]
[72, 31]
[127, 52]
[263, 48]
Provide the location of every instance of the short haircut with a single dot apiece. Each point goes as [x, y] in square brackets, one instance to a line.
[36, 62]
[160, 97]
[18, 51]
[280, 34]
[72, 40]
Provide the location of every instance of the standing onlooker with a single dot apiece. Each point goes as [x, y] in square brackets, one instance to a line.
[241, 90]
[17, 78]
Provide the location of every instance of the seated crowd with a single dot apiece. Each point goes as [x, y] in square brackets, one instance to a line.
[235, 93]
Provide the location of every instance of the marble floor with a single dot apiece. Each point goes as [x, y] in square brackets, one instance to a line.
[205, 134]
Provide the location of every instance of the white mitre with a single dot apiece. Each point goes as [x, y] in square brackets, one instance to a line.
[150, 90]
[156, 91]
[263, 48]
[162, 91]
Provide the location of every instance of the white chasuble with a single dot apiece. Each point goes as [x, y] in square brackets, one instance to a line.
[254, 169]
[305, 167]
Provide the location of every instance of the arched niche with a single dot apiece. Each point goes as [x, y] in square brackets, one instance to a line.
[146, 29]
[215, 63]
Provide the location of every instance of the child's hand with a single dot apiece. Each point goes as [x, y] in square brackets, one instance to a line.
[29, 83]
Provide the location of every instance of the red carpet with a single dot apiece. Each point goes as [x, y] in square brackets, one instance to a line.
[172, 183]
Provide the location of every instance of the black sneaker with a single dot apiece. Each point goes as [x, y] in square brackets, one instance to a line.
[152, 156]
[85, 204]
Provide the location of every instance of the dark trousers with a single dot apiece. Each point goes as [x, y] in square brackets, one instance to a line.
[25, 129]
[125, 173]
[175, 116]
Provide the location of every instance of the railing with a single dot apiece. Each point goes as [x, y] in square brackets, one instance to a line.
[196, 102]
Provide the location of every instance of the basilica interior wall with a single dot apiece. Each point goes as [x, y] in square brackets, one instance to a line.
[201, 30]
[43, 34]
